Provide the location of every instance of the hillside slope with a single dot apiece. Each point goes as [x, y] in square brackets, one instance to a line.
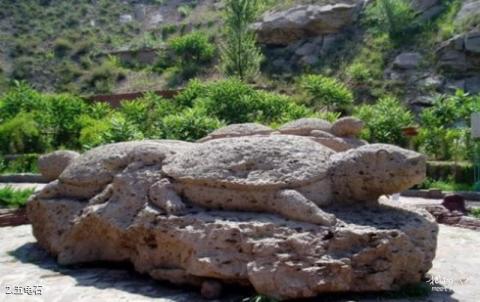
[90, 47]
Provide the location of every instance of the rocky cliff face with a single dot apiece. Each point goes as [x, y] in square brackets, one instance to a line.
[305, 37]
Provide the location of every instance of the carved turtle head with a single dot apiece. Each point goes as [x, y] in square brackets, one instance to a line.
[366, 173]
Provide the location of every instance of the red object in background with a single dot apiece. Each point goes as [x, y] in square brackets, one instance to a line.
[410, 131]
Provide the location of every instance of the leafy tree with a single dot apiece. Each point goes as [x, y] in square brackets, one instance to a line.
[325, 92]
[191, 51]
[21, 134]
[190, 125]
[445, 131]
[385, 121]
[240, 55]
[192, 48]
[396, 17]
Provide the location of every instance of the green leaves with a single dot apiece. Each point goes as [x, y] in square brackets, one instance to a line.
[385, 121]
[323, 92]
[192, 48]
[240, 55]
[396, 17]
[14, 198]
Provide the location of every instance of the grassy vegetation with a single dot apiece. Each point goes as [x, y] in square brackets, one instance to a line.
[26, 163]
[14, 198]
[475, 213]
[445, 185]
[32, 122]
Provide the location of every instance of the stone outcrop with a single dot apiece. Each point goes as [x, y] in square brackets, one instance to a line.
[427, 9]
[468, 12]
[304, 126]
[237, 130]
[341, 136]
[347, 127]
[51, 165]
[407, 60]
[460, 54]
[303, 21]
[272, 212]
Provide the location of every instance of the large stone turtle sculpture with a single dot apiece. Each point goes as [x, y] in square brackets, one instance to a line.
[288, 216]
[284, 174]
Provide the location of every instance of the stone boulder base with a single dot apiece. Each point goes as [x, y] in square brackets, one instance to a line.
[101, 209]
[370, 249]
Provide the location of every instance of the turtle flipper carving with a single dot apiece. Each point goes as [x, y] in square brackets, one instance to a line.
[163, 195]
[293, 205]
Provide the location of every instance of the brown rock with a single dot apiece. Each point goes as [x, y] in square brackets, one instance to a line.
[454, 203]
[347, 127]
[304, 21]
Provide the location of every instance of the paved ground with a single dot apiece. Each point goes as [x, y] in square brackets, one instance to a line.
[24, 264]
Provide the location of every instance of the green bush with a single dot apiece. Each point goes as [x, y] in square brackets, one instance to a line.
[92, 130]
[229, 100]
[63, 111]
[111, 129]
[445, 127]
[26, 163]
[192, 50]
[21, 98]
[21, 134]
[61, 47]
[10, 197]
[103, 78]
[233, 101]
[189, 125]
[323, 92]
[458, 172]
[475, 212]
[385, 121]
[396, 17]
[120, 129]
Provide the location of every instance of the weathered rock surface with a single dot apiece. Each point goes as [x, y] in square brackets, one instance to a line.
[428, 9]
[51, 165]
[347, 127]
[407, 60]
[460, 54]
[469, 10]
[119, 203]
[303, 21]
[237, 130]
[304, 126]
[338, 144]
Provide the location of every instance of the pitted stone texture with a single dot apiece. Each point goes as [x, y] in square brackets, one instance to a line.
[257, 215]
[51, 165]
[347, 127]
[339, 144]
[364, 172]
[97, 167]
[251, 162]
[237, 130]
[370, 249]
[305, 21]
[304, 126]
